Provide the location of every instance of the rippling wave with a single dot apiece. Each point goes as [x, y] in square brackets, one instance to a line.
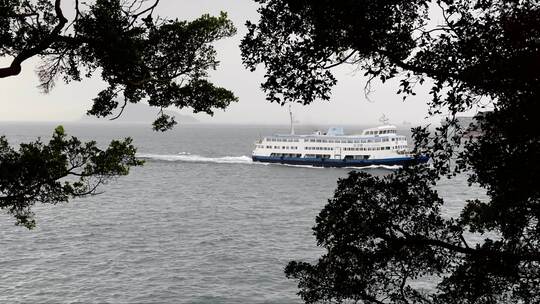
[206, 226]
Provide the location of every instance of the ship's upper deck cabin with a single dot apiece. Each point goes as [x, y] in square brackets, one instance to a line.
[380, 131]
[337, 135]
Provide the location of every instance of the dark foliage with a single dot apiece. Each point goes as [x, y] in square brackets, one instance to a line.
[142, 58]
[54, 172]
[384, 234]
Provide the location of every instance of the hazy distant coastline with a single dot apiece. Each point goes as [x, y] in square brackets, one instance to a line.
[140, 113]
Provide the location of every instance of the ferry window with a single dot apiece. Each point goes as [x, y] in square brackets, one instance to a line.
[387, 148]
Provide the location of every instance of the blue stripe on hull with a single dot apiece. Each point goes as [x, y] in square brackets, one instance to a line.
[320, 162]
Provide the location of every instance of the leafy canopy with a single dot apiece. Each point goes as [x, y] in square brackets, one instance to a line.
[142, 58]
[382, 235]
[54, 172]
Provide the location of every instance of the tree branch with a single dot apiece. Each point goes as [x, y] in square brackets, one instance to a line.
[149, 9]
[341, 61]
[417, 240]
[15, 67]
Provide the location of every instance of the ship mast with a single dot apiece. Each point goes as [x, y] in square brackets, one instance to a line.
[292, 122]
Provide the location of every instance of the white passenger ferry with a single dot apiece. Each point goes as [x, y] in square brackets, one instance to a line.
[375, 146]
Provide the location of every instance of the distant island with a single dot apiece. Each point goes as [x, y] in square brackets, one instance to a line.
[140, 113]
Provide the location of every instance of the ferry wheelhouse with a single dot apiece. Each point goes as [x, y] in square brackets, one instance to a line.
[374, 146]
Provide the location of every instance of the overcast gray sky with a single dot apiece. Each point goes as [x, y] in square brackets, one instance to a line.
[21, 100]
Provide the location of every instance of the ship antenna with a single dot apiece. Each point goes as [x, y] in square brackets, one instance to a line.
[292, 121]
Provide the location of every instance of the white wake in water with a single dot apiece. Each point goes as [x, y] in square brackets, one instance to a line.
[245, 160]
[191, 158]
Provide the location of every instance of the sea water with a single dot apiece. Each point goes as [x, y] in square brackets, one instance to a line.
[198, 223]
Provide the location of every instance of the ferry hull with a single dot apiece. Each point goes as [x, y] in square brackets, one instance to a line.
[340, 163]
